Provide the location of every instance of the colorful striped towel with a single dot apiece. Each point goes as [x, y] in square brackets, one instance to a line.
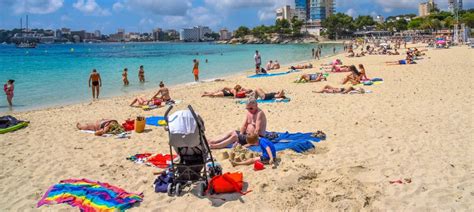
[90, 195]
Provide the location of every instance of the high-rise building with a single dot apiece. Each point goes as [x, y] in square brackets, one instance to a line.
[194, 34]
[425, 8]
[455, 5]
[97, 34]
[224, 34]
[284, 13]
[321, 9]
[302, 9]
[158, 34]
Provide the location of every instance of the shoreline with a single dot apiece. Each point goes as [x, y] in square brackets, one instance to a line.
[149, 91]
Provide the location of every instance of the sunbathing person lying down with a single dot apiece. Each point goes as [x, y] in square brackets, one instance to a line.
[317, 77]
[336, 68]
[260, 94]
[401, 62]
[101, 127]
[330, 89]
[302, 66]
[227, 92]
[335, 62]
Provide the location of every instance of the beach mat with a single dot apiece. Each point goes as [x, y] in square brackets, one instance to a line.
[298, 142]
[261, 101]
[154, 120]
[272, 74]
[90, 195]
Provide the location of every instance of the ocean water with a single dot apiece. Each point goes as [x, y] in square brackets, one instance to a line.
[58, 74]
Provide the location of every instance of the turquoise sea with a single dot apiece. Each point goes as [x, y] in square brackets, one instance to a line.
[57, 74]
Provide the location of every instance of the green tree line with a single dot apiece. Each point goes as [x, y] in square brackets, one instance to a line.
[290, 28]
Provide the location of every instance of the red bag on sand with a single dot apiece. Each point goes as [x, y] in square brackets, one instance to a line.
[129, 125]
[228, 183]
[157, 102]
[240, 94]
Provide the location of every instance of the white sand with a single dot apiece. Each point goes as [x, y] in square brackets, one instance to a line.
[418, 124]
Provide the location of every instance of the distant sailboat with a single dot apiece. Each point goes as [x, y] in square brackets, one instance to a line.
[24, 43]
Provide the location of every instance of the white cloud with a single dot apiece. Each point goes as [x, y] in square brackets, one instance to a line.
[161, 7]
[118, 6]
[33, 6]
[65, 18]
[90, 7]
[146, 21]
[351, 12]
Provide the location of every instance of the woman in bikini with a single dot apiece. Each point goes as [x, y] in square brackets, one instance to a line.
[363, 75]
[318, 77]
[99, 127]
[226, 92]
[9, 88]
[331, 89]
[125, 77]
[354, 77]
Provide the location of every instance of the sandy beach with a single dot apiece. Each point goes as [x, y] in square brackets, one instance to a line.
[417, 125]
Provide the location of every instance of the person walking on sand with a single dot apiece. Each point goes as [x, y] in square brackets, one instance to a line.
[258, 60]
[141, 74]
[196, 70]
[125, 77]
[96, 83]
[8, 88]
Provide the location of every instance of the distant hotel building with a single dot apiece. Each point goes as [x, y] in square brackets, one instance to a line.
[379, 19]
[285, 13]
[224, 34]
[425, 8]
[454, 5]
[194, 34]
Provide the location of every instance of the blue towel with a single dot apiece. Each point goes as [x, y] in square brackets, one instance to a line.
[153, 120]
[286, 100]
[268, 75]
[298, 142]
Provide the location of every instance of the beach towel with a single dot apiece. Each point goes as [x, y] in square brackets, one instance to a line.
[155, 121]
[298, 142]
[90, 195]
[118, 136]
[261, 101]
[269, 74]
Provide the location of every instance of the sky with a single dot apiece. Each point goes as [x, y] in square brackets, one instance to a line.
[145, 15]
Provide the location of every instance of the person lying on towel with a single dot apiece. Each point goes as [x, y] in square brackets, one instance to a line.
[330, 89]
[317, 77]
[268, 151]
[255, 122]
[260, 94]
[102, 127]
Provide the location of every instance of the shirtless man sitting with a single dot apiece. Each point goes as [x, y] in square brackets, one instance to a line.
[255, 123]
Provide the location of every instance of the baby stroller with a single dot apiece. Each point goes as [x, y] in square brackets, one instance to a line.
[195, 164]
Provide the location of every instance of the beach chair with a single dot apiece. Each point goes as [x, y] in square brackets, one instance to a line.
[195, 164]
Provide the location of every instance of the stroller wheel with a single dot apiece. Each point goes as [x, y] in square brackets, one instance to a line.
[177, 189]
[201, 189]
[170, 189]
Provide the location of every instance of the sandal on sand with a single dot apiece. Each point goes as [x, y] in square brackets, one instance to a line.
[319, 134]
[396, 181]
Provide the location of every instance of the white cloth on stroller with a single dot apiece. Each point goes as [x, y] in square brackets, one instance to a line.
[182, 122]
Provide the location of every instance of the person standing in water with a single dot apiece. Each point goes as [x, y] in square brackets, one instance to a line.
[8, 88]
[334, 50]
[125, 77]
[258, 60]
[141, 74]
[96, 83]
[196, 70]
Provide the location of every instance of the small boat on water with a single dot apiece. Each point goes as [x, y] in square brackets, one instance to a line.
[26, 45]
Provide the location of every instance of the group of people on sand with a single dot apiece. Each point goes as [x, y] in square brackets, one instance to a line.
[270, 65]
[240, 92]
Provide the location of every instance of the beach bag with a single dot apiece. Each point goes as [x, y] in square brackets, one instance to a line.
[162, 181]
[240, 94]
[157, 102]
[140, 124]
[227, 183]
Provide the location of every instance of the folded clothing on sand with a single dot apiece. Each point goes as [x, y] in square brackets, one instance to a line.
[90, 195]
[286, 100]
[158, 160]
[10, 124]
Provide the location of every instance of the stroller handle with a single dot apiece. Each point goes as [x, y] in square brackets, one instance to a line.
[168, 112]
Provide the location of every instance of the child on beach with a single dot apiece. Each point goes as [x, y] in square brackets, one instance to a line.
[125, 77]
[268, 151]
[196, 70]
[8, 88]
